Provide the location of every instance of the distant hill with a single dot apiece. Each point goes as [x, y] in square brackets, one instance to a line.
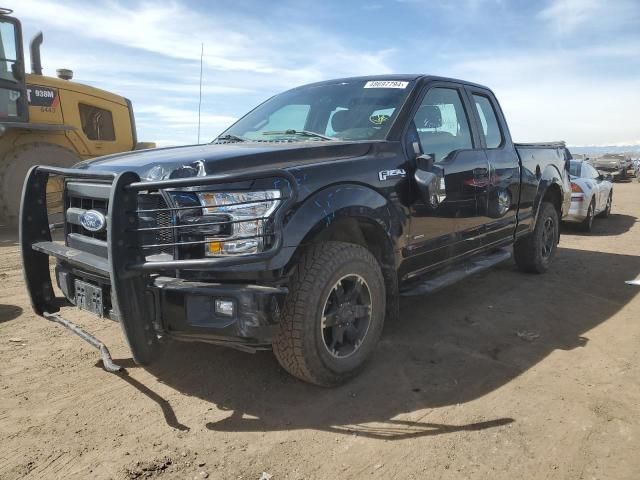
[634, 150]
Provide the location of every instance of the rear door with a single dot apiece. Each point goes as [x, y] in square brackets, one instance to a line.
[499, 213]
[450, 225]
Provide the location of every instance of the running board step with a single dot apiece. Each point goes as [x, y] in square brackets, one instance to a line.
[107, 361]
[474, 265]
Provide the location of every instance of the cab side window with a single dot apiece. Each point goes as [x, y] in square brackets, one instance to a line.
[97, 123]
[441, 123]
[489, 121]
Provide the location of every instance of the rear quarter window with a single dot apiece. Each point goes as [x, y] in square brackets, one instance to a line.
[489, 121]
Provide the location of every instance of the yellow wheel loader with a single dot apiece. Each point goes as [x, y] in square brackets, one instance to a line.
[53, 121]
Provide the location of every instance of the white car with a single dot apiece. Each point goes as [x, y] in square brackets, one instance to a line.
[591, 194]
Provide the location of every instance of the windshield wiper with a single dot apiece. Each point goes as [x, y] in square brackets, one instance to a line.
[228, 136]
[302, 133]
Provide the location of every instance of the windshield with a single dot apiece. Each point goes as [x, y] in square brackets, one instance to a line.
[350, 110]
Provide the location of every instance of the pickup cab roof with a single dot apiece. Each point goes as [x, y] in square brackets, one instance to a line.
[397, 77]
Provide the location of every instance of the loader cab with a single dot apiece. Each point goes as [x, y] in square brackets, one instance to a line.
[13, 94]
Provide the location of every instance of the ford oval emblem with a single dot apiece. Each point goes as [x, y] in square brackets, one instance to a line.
[93, 220]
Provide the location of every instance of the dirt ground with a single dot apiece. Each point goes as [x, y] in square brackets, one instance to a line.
[502, 376]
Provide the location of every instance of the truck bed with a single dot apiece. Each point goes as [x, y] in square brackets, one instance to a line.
[558, 144]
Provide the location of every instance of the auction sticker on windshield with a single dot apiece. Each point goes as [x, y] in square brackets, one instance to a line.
[385, 84]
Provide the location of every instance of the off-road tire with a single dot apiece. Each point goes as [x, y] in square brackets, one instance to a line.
[14, 166]
[607, 211]
[298, 343]
[587, 223]
[528, 251]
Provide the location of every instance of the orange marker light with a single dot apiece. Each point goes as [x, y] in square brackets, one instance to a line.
[213, 248]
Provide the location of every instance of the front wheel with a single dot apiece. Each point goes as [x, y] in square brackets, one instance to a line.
[535, 252]
[333, 315]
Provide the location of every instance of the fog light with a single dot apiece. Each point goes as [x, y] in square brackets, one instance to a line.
[224, 307]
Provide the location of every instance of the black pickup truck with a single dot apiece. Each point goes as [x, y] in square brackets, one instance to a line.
[301, 225]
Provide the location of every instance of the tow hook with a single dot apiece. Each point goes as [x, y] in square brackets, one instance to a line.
[107, 361]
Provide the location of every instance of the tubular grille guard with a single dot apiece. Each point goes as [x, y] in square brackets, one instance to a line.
[272, 233]
[282, 180]
[125, 264]
[196, 228]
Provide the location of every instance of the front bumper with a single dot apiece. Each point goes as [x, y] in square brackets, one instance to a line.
[185, 310]
[149, 305]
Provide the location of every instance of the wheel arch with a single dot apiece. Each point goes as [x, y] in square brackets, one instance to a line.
[350, 213]
[551, 189]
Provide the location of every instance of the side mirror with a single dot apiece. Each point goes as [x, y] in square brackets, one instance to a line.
[17, 69]
[429, 180]
[425, 162]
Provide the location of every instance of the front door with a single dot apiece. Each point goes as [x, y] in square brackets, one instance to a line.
[447, 224]
[599, 193]
[13, 98]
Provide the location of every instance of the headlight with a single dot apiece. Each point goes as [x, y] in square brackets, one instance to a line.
[248, 212]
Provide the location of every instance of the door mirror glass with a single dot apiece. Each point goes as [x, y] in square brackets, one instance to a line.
[424, 162]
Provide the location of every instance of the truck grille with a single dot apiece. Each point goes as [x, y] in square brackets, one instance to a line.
[162, 238]
[85, 203]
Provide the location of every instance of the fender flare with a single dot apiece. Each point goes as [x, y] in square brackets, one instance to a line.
[324, 207]
[549, 177]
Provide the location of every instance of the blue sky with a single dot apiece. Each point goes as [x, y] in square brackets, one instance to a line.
[562, 69]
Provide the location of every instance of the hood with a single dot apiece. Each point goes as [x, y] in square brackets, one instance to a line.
[210, 159]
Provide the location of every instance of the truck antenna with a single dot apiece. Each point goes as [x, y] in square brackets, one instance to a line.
[200, 95]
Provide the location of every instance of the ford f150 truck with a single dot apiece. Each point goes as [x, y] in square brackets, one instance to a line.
[299, 227]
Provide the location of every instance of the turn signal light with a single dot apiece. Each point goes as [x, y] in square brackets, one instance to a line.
[575, 188]
[213, 248]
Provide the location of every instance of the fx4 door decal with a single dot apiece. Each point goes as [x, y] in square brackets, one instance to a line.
[387, 174]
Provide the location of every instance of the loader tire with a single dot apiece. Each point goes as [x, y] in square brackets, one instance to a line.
[14, 166]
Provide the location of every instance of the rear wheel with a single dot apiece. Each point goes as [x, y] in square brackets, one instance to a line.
[587, 223]
[333, 314]
[535, 252]
[607, 211]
